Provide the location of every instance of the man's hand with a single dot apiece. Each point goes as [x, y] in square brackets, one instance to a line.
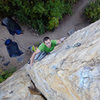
[33, 56]
[32, 59]
[31, 62]
[61, 40]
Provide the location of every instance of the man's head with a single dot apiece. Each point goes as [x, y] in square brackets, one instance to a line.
[47, 41]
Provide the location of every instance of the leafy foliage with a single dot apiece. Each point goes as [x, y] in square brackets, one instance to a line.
[93, 10]
[5, 74]
[42, 15]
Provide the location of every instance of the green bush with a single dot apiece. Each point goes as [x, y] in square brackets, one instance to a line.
[92, 12]
[5, 74]
[54, 22]
[42, 15]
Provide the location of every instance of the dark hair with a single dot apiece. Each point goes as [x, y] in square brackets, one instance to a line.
[45, 39]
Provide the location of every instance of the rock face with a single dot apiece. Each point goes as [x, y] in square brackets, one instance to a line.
[70, 72]
[16, 87]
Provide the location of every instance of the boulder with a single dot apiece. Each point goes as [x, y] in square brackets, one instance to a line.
[72, 70]
[17, 86]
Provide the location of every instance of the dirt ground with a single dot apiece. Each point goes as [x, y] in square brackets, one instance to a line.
[75, 22]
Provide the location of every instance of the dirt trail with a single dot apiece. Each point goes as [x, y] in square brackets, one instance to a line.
[76, 21]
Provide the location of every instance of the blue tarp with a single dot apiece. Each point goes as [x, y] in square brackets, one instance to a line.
[12, 48]
[12, 26]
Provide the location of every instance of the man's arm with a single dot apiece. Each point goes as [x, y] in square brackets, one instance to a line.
[60, 40]
[33, 56]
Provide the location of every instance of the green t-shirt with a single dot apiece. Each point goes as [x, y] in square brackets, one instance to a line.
[43, 47]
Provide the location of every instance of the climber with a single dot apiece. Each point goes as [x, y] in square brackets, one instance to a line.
[45, 48]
